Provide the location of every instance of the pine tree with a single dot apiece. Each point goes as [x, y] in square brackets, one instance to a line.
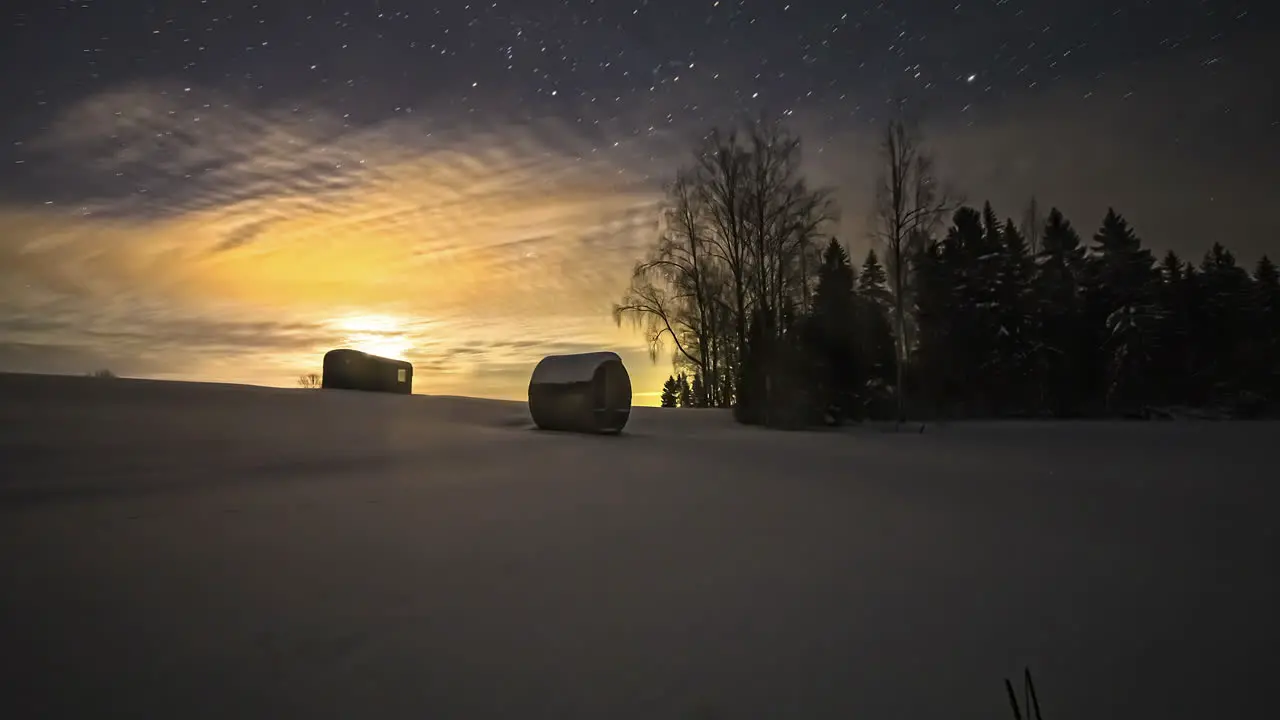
[934, 317]
[670, 392]
[1267, 294]
[1171, 268]
[872, 282]
[1060, 279]
[699, 391]
[877, 356]
[1062, 255]
[959, 307]
[950, 348]
[1124, 267]
[1121, 302]
[832, 328]
[1197, 384]
[1131, 333]
[836, 278]
[992, 229]
[1266, 282]
[976, 254]
[684, 393]
[1226, 295]
[1017, 320]
[1173, 352]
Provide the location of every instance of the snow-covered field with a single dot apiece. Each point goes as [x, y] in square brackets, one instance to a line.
[181, 551]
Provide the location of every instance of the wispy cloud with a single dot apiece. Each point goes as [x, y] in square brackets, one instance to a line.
[172, 231]
[188, 228]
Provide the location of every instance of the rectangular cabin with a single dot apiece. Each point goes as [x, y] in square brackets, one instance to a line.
[346, 369]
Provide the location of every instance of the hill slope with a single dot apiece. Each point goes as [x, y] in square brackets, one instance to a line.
[186, 550]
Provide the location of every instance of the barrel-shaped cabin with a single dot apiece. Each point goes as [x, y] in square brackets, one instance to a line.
[347, 369]
[587, 392]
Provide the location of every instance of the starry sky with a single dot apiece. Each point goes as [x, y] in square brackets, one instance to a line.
[222, 190]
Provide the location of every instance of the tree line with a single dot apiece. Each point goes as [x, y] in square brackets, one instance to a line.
[954, 312]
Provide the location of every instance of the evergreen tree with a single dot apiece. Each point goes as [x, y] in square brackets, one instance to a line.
[699, 391]
[1062, 255]
[977, 256]
[934, 315]
[1197, 384]
[1226, 325]
[992, 229]
[670, 392]
[836, 278]
[1172, 368]
[1123, 267]
[832, 332]
[1018, 322]
[1060, 278]
[1131, 336]
[877, 360]
[1266, 360]
[877, 356]
[1121, 304]
[1171, 268]
[989, 318]
[872, 283]
[684, 393]
[1268, 286]
[951, 347]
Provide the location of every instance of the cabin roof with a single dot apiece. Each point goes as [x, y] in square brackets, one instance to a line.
[557, 369]
[349, 352]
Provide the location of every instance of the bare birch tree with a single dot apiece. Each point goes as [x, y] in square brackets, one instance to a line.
[722, 173]
[738, 227]
[1032, 226]
[908, 207]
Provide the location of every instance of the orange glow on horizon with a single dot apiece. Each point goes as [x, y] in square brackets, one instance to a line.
[471, 257]
[375, 334]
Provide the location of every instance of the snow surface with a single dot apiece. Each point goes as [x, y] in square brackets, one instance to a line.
[557, 369]
[183, 550]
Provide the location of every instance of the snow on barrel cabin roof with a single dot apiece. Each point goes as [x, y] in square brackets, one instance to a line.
[560, 369]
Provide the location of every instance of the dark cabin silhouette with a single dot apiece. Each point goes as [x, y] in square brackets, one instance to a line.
[346, 369]
[588, 392]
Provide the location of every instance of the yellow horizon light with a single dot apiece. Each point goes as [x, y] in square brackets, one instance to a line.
[382, 335]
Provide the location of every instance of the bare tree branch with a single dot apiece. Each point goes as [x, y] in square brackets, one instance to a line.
[909, 205]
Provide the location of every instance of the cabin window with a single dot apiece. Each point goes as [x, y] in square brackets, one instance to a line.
[402, 375]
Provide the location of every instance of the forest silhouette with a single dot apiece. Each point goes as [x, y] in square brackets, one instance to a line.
[954, 313]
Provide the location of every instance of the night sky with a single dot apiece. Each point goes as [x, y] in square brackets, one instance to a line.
[222, 190]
